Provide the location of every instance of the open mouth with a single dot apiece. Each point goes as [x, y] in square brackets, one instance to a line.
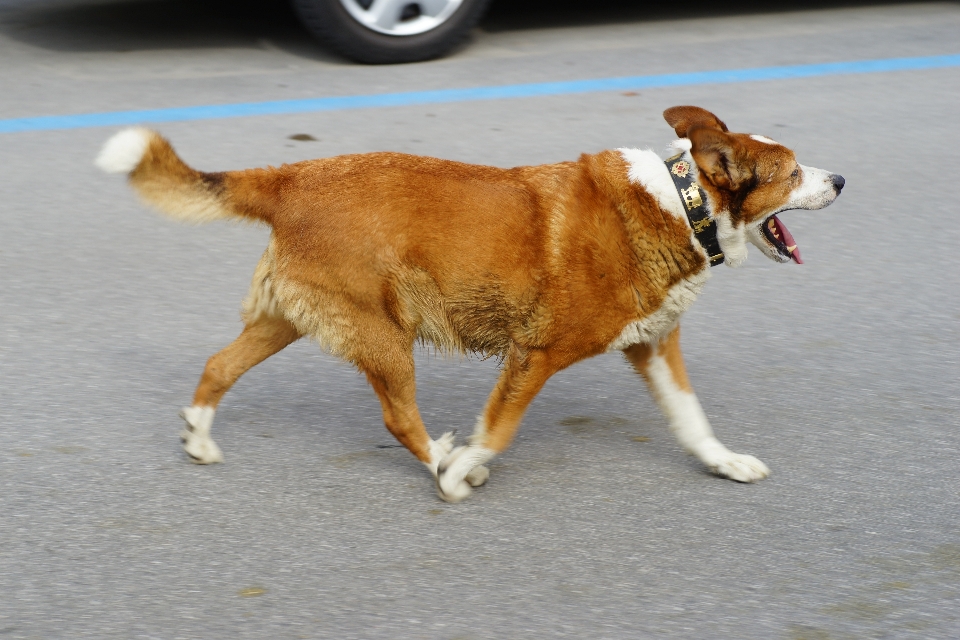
[777, 234]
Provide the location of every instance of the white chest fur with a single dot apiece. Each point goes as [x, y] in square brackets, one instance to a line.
[656, 325]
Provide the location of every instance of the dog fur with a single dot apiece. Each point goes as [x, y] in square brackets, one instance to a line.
[539, 266]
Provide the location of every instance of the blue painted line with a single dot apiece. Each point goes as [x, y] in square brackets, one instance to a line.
[344, 103]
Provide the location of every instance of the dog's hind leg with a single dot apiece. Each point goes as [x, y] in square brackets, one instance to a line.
[259, 340]
[524, 374]
[662, 367]
[388, 365]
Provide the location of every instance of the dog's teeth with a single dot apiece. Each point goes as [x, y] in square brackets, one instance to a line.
[791, 249]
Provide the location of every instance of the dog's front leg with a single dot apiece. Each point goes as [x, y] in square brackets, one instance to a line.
[662, 367]
[524, 374]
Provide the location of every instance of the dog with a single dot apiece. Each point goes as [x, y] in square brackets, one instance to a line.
[538, 266]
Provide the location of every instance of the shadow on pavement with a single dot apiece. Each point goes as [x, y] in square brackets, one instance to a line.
[137, 25]
[510, 15]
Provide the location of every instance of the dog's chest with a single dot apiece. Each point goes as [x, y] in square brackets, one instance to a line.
[653, 326]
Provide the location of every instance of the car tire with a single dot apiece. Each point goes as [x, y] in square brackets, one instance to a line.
[410, 39]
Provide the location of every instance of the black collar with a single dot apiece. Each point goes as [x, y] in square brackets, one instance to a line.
[694, 201]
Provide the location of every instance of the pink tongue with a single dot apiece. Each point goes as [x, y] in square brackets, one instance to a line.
[788, 240]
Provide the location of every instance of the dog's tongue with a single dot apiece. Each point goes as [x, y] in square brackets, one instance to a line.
[788, 240]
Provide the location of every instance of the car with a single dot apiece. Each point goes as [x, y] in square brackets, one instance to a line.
[390, 31]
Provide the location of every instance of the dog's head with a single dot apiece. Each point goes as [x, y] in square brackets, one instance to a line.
[748, 180]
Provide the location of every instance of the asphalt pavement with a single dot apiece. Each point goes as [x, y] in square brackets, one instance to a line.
[840, 374]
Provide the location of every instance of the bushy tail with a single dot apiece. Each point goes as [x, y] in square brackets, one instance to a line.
[165, 182]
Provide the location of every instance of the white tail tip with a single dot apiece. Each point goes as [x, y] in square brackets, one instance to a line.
[124, 150]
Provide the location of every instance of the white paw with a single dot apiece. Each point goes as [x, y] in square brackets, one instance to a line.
[739, 467]
[453, 469]
[196, 435]
[454, 494]
[202, 450]
[439, 449]
[478, 476]
[443, 444]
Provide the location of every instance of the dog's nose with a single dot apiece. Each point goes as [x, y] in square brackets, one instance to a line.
[838, 182]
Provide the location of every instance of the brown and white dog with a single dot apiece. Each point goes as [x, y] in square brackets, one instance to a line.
[540, 266]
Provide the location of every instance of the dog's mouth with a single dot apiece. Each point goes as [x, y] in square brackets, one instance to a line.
[777, 235]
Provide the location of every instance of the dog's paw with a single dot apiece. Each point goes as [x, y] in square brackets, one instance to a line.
[739, 467]
[444, 444]
[453, 483]
[440, 449]
[196, 435]
[478, 476]
[201, 449]
[455, 493]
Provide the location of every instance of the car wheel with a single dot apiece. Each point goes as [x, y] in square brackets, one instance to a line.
[388, 31]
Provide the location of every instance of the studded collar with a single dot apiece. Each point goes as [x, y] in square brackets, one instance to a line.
[694, 203]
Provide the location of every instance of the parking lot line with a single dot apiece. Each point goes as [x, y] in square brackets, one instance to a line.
[343, 103]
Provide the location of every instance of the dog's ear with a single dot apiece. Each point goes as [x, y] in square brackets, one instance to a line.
[682, 119]
[720, 157]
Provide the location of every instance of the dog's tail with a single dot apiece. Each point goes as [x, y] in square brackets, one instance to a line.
[165, 182]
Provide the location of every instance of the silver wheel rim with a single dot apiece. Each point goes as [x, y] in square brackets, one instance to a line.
[402, 17]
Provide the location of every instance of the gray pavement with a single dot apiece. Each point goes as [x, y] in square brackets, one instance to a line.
[841, 375]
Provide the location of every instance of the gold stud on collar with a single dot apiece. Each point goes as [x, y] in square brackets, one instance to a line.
[681, 169]
[691, 197]
[699, 226]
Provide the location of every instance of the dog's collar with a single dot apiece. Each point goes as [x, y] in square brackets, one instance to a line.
[694, 202]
